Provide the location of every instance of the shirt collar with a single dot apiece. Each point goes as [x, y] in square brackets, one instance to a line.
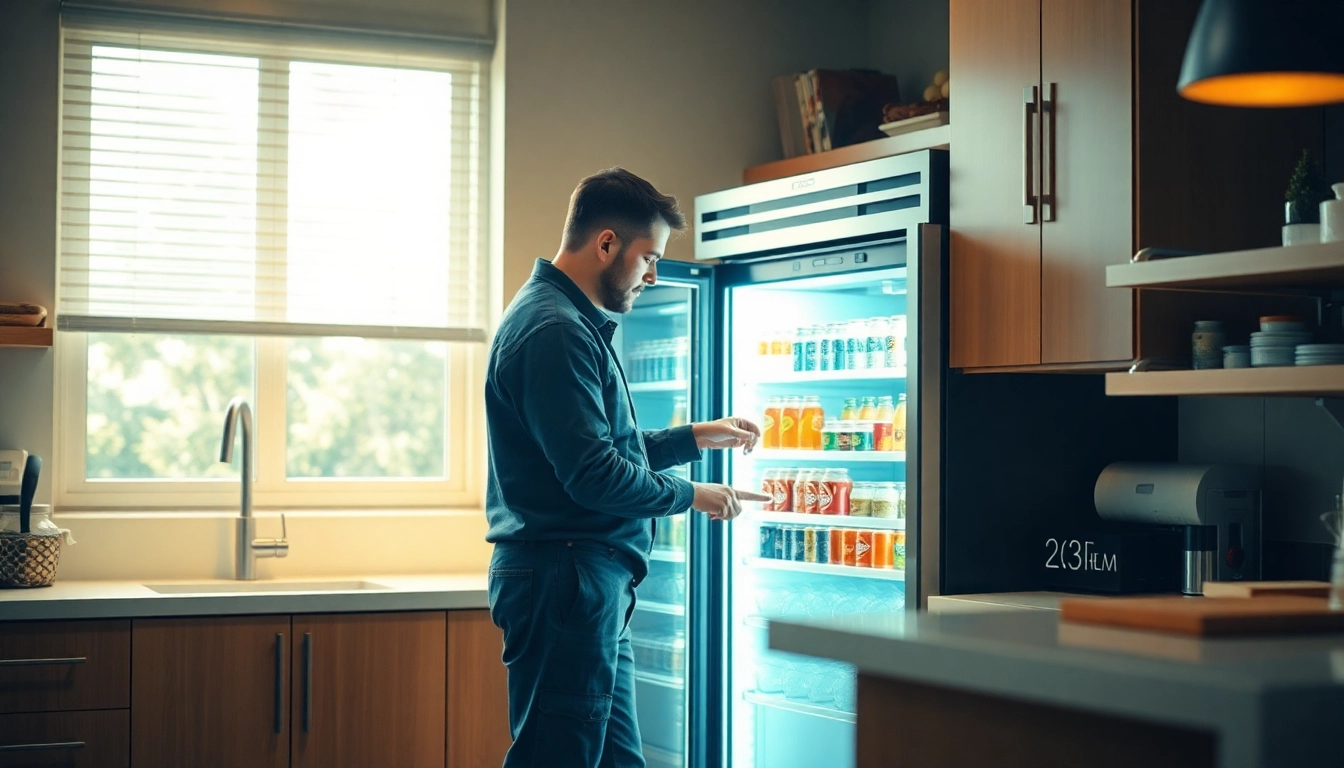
[545, 270]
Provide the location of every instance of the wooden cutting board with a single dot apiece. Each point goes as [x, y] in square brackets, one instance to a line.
[1209, 616]
[1266, 588]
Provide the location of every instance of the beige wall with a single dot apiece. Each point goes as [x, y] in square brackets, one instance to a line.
[678, 92]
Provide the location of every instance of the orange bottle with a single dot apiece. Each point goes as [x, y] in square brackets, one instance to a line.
[811, 423]
[791, 424]
[770, 430]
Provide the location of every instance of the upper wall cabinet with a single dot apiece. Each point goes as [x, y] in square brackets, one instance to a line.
[1072, 152]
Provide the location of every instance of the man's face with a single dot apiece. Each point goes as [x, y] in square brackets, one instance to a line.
[633, 268]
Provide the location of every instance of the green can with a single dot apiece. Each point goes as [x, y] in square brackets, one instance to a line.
[863, 438]
[830, 438]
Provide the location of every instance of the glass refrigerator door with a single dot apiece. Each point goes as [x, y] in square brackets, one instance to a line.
[655, 344]
[821, 362]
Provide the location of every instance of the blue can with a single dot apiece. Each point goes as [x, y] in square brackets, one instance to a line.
[855, 350]
[780, 551]
[823, 548]
[824, 346]
[769, 536]
[838, 357]
[795, 544]
[810, 354]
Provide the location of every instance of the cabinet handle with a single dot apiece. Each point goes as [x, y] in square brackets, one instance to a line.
[42, 662]
[1048, 152]
[1028, 156]
[307, 682]
[49, 746]
[279, 682]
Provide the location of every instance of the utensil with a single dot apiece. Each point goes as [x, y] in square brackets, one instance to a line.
[31, 470]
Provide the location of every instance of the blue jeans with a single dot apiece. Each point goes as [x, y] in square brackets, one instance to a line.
[565, 610]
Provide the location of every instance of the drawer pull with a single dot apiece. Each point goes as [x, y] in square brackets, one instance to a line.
[54, 745]
[42, 662]
[307, 682]
[279, 683]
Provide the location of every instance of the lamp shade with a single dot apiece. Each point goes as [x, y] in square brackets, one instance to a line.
[1266, 53]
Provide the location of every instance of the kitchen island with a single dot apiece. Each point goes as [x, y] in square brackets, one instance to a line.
[1020, 688]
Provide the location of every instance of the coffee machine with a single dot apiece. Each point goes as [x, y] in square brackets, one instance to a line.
[1217, 508]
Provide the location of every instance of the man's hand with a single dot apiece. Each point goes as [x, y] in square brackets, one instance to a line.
[721, 502]
[732, 432]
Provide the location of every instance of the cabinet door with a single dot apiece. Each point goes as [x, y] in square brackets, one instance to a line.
[210, 692]
[478, 694]
[89, 739]
[995, 280]
[1087, 153]
[65, 665]
[369, 690]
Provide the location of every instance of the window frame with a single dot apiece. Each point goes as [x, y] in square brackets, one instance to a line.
[464, 438]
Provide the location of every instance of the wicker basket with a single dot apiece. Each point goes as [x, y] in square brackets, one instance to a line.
[29, 559]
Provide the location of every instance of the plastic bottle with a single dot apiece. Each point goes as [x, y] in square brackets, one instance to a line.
[856, 345]
[895, 352]
[772, 424]
[791, 424]
[836, 332]
[812, 420]
[884, 438]
[898, 425]
[801, 342]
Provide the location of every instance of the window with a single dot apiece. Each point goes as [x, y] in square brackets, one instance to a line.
[297, 221]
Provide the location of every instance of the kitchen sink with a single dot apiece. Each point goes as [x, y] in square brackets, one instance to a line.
[252, 587]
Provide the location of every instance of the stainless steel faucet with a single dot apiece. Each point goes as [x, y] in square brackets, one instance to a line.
[246, 547]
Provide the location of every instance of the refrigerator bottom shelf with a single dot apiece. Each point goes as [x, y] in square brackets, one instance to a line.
[776, 701]
[666, 681]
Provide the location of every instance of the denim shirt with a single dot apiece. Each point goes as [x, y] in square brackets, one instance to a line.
[567, 459]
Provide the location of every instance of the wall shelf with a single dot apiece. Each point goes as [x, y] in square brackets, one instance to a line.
[929, 138]
[1285, 381]
[1313, 268]
[801, 707]
[23, 336]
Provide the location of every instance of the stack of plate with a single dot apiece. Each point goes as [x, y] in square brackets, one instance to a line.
[1269, 348]
[1320, 354]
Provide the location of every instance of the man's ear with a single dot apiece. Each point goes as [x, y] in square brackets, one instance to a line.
[608, 245]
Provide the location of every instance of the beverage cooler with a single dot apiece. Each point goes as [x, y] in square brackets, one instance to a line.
[823, 322]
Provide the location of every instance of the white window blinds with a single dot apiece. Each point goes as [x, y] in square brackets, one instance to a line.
[220, 179]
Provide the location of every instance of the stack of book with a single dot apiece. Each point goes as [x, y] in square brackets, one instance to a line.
[824, 109]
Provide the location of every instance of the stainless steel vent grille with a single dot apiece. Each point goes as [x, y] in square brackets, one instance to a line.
[878, 196]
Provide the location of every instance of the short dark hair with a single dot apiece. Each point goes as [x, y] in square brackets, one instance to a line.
[618, 200]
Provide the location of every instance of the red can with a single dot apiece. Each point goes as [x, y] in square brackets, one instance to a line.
[800, 491]
[833, 492]
[811, 481]
[884, 548]
[783, 492]
[837, 547]
[850, 539]
[768, 489]
[863, 549]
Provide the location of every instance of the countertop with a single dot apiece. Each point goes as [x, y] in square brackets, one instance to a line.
[1272, 702]
[127, 599]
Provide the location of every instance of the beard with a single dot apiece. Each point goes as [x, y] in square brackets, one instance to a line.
[615, 297]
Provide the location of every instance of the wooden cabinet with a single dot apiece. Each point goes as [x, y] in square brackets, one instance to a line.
[211, 692]
[369, 690]
[65, 665]
[1072, 152]
[85, 739]
[478, 695]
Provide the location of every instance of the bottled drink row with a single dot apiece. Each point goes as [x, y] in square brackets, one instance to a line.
[867, 424]
[830, 492]
[878, 342]
[659, 360]
[857, 547]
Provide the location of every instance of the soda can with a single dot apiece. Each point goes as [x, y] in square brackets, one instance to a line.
[768, 536]
[824, 353]
[795, 543]
[898, 550]
[863, 439]
[837, 334]
[780, 551]
[884, 549]
[836, 546]
[850, 539]
[809, 545]
[810, 353]
[823, 550]
[863, 549]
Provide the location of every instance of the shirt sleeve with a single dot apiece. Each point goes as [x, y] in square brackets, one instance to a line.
[669, 447]
[555, 386]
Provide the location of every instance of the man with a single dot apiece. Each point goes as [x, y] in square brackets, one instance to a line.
[574, 488]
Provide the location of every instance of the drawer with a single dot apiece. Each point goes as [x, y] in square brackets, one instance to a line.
[100, 739]
[48, 666]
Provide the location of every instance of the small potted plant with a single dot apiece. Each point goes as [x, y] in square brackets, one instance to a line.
[1302, 212]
